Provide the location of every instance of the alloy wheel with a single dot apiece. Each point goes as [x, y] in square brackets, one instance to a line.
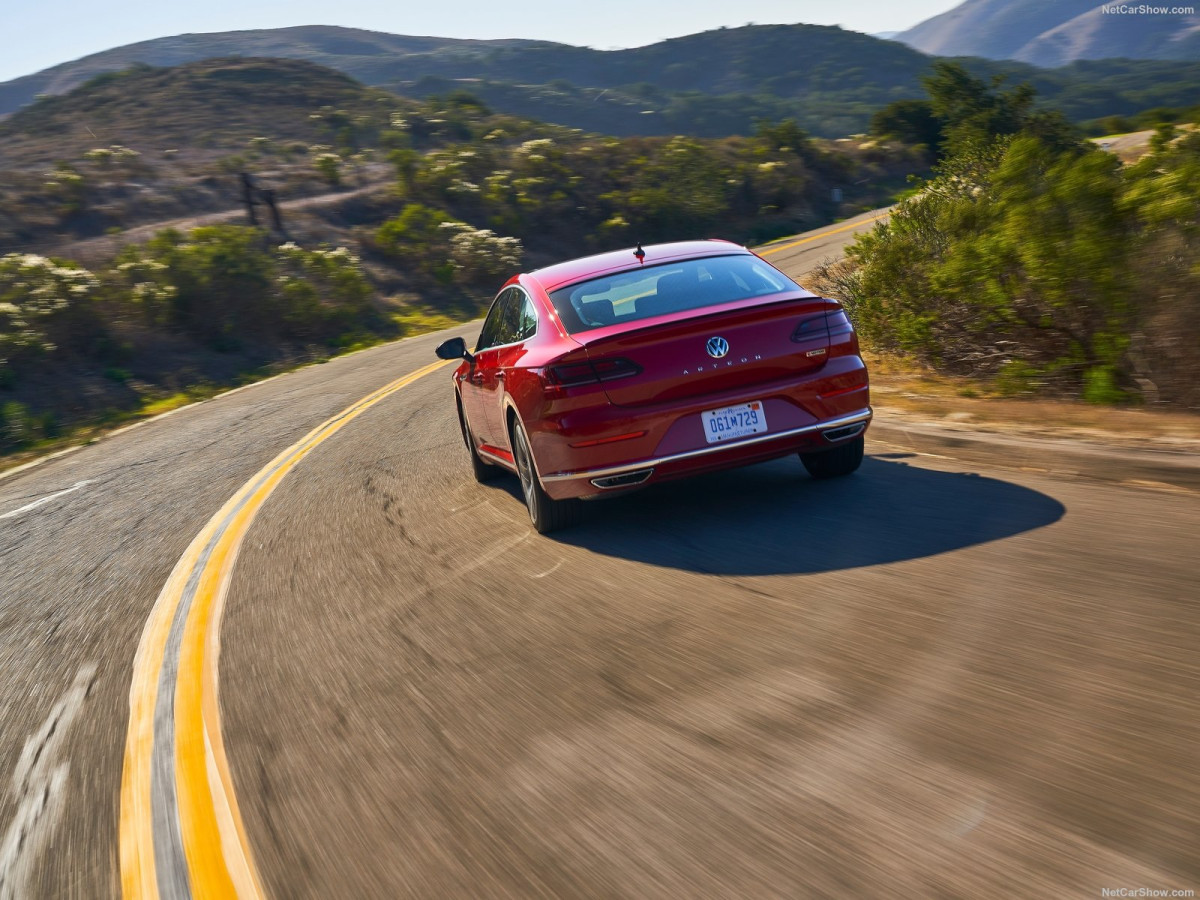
[524, 467]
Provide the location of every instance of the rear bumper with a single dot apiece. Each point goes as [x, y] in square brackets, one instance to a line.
[812, 437]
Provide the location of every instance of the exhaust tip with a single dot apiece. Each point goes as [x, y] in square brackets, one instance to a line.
[628, 479]
[847, 431]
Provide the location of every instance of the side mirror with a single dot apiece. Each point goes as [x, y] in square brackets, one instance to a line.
[455, 348]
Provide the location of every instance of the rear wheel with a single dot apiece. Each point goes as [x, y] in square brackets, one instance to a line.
[482, 471]
[545, 513]
[836, 462]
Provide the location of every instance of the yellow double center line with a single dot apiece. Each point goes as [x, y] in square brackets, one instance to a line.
[181, 832]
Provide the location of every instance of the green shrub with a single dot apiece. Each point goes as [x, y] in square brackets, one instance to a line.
[15, 426]
[43, 302]
[225, 285]
[1100, 386]
[329, 166]
[1045, 264]
[431, 243]
[324, 291]
[218, 279]
[69, 187]
[48, 425]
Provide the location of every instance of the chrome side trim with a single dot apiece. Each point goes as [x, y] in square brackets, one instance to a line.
[863, 416]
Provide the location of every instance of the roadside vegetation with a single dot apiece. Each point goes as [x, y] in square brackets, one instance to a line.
[146, 145]
[1036, 259]
[1146, 120]
[421, 208]
[575, 193]
[1027, 257]
[164, 323]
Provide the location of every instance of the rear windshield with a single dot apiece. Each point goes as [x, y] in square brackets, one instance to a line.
[671, 287]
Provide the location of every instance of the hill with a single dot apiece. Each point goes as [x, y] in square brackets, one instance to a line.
[1055, 33]
[154, 144]
[710, 84]
[776, 59]
[150, 145]
[646, 90]
[217, 103]
[350, 50]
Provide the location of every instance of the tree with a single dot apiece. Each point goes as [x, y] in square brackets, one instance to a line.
[910, 122]
[973, 111]
[330, 167]
[407, 162]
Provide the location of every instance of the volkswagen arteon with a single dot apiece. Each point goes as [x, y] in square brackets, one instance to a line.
[608, 373]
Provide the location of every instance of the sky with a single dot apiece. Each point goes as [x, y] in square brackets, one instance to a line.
[41, 33]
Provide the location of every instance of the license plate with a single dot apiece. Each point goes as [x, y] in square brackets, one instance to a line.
[734, 422]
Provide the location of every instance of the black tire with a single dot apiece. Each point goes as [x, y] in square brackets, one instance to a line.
[547, 515]
[482, 471]
[836, 462]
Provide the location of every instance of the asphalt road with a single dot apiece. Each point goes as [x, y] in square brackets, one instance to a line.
[935, 678]
[800, 254]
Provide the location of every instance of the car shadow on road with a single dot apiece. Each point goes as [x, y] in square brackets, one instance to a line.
[772, 519]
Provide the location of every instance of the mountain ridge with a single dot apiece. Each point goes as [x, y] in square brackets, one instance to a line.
[1056, 33]
[311, 43]
[709, 84]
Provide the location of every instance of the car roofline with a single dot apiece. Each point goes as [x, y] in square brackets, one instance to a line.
[612, 263]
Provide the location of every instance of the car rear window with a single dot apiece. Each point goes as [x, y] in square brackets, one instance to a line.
[670, 287]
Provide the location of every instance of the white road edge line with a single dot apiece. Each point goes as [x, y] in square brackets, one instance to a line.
[39, 785]
[44, 500]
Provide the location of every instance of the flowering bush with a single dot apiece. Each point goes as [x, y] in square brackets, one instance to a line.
[535, 149]
[143, 281]
[480, 254]
[105, 156]
[224, 285]
[37, 296]
[69, 186]
[329, 165]
[321, 290]
[434, 244]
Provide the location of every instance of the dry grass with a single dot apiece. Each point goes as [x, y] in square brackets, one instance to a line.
[903, 388]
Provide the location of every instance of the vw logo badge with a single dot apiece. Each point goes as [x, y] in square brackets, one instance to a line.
[717, 347]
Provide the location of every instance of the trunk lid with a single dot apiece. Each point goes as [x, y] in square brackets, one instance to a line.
[765, 340]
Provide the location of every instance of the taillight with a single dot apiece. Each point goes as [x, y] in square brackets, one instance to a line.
[809, 328]
[575, 374]
[569, 376]
[839, 323]
[608, 369]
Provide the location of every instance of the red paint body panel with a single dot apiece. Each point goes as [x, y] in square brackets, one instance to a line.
[793, 352]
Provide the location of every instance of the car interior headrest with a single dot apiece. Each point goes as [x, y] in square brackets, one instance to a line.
[597, 312]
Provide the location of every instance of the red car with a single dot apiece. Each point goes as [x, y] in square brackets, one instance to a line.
[615, 371]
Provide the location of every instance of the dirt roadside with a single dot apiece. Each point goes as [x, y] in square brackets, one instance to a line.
[904, 394]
